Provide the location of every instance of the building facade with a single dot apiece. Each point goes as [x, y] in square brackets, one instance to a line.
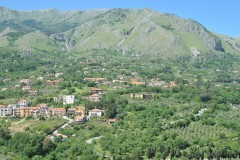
[69, 99]
[95, 113]
[5, 110]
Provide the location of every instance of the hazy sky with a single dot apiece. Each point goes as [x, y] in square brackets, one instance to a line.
[221, 16]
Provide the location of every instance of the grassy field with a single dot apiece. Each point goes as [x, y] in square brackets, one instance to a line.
[33, 124]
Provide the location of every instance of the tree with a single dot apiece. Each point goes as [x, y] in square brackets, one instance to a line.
[27, 144]
[151, 152]
[48, 145]
[4, 135]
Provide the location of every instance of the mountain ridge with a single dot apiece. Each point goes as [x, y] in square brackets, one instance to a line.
[142, 31]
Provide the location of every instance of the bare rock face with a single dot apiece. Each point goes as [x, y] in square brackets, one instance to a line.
[208, 38]
[66, 40]
[194, 52]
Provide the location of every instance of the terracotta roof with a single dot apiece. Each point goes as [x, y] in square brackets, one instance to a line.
[42, 105]
[95, 95]
[80, 107]
[95, 110]
[112, 120]
[58, 109]
[78, 118]
[32, 91]
[97, 89]
[3, 106]
[71, 109]
[30, 108]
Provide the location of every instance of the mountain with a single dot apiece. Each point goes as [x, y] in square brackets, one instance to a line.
[141, 31]
[47, 21]
[234, 43]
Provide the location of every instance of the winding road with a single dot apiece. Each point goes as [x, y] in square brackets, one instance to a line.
[55, 133]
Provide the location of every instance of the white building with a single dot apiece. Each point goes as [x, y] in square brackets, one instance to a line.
[6, 110]
[26, 81]
[69, 99]
[95, 113]
[58, 74]
[40, 78]
[23, 103]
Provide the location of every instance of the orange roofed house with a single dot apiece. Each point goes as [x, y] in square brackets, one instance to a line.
[172, 84]
[136, 82]
[96, 90]
[94, 98]
[52, 83]
[58, 111]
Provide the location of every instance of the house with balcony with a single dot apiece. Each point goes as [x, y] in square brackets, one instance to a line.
[43, 109]
[23, 103]
[25, 111]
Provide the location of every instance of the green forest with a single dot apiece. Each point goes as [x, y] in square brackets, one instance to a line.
[196, 119]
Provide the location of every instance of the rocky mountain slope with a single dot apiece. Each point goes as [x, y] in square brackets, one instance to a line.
[140, 31]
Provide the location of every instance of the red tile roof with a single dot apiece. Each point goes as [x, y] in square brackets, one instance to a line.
[95, 110]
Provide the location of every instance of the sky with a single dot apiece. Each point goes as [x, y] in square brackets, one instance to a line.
[219, 16]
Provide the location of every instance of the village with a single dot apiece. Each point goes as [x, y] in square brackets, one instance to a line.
[79, 113]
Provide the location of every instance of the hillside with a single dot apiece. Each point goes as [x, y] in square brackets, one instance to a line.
[120, 84]
[48, 21]
[141, 31]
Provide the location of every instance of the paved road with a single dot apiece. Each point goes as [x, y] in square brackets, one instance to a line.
[63, 126]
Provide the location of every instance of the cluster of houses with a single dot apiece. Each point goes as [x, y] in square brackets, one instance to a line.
[26, 86]
[96, 94]
[96, 80]
[78, 113]
[22, 109]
